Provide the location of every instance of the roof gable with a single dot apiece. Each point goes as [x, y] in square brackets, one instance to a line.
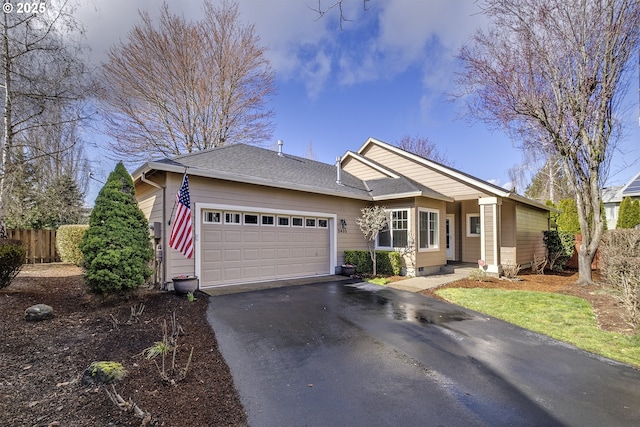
[632, 188]
[441, 178]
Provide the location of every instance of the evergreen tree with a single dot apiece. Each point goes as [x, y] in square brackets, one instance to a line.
[116, 247]
[626, 214]
[568, 218]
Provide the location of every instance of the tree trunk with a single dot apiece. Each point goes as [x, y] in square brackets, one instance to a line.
[584, 265]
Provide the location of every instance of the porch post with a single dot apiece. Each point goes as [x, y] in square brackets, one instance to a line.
[490, 235]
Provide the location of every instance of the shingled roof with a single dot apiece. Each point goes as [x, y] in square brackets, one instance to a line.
[255, 165]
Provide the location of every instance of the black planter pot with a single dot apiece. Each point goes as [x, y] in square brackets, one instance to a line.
[184, 285]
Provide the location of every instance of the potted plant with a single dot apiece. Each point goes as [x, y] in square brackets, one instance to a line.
[185, 284]
[348, 269]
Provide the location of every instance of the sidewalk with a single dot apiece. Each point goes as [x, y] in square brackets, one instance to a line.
[420, 283]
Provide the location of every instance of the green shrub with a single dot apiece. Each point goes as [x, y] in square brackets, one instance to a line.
[12, 254]
[116, 247]
[628, 213]
[560, 247]
[68, 238]
[389, 262]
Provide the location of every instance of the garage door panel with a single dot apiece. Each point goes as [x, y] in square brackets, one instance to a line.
[232, 254]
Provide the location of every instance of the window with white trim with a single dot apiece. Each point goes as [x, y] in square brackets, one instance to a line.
[268, 220]
[251, 219]
[283, 221]
[428, 227]
[297, 221]
[323, 223]
[232, 217]
[310, 222]
[212, 217]
[396, 233]
[473, 225]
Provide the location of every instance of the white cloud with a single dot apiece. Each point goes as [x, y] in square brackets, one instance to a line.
[378, 43]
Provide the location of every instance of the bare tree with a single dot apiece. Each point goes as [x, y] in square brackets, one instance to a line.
[44, 83]
[182, 86]
[423, 147]
[373, 220]
[326, 6]
[552, 73]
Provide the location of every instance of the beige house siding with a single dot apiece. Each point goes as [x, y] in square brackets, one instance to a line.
[420, 173]
[253, 197]
[470, 245]
[489, 231]
[530, 223]
[358, 169]
[508, 247]
[430, 260]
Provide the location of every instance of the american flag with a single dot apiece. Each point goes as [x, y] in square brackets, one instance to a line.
[181, 236]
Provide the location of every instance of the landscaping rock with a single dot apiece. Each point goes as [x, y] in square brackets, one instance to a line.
[38, 312]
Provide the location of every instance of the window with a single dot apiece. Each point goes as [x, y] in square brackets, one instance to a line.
[473, 225]
[428, 226]
[395, 234]
[268, 220]
[251, 219]
[212, 217]
[296, 222]
[232, 218]
[310, 222]
[323, 223]
[283, 221]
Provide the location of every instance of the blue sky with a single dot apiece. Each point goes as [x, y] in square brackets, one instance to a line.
[384, 75]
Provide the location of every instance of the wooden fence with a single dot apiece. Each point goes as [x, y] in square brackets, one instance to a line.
[41, 245]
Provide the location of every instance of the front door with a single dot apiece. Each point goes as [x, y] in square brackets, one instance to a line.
[450, 239]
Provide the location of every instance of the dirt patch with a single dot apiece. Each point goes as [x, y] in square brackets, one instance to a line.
[609, 313]
[41, 363]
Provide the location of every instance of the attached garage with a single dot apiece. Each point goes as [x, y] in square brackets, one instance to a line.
[238, 245]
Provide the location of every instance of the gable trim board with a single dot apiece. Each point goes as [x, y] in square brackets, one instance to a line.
[254, 180]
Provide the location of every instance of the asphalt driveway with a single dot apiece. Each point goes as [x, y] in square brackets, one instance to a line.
[351, 354]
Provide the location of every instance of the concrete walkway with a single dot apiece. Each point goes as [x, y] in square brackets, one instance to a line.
[449, 274]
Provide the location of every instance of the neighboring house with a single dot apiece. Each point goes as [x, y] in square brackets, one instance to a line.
[612, 197]
[263, 215]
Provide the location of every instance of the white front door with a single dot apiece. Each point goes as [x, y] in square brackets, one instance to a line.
[450, 236]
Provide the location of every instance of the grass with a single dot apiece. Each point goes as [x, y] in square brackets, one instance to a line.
[563, 317]
[379, 281]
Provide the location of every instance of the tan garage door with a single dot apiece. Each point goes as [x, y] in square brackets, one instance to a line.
[246, 247]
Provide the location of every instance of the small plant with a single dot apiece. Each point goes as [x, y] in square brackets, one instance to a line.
[191, 297]
[169, 344]
[510, 270]
[538, 264]
[479, 275]
[128, 405]
[104, 372]
[136, 312]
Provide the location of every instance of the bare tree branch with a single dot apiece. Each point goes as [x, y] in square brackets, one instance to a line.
[552, 73]
[179, 86]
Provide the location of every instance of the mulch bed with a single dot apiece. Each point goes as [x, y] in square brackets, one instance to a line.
[41, 363]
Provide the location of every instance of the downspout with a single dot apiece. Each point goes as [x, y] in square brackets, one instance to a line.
[163, 272]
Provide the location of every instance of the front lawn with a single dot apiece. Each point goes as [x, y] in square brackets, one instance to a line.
[564, 317]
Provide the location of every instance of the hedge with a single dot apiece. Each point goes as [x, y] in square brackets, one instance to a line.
[389, 263]
[68, 238]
